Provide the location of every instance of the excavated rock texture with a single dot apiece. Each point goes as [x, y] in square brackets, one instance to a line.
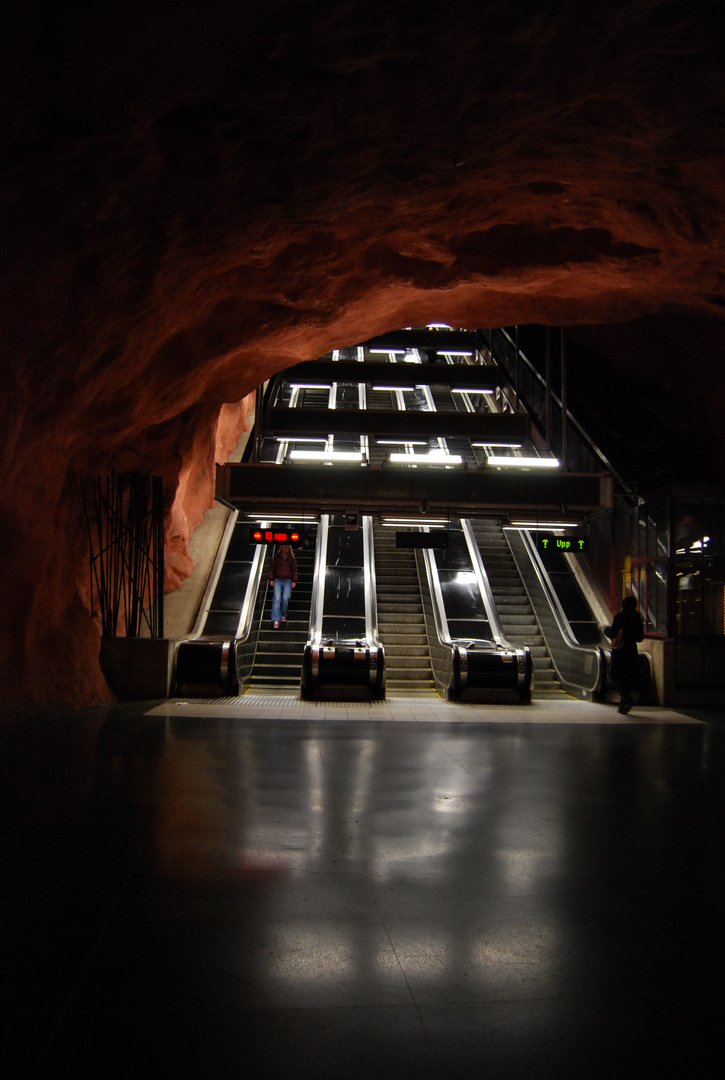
[195, 196]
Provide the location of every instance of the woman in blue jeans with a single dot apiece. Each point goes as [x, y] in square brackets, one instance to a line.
[283, 577]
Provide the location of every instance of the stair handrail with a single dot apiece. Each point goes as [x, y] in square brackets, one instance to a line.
[573, 423]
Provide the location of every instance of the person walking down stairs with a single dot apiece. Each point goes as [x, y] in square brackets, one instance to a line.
[283, 578]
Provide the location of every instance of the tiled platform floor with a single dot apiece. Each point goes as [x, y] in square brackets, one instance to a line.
[425, 709]
[209, 890]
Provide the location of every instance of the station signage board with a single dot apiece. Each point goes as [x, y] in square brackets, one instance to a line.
[436, 538]
[273, 535]
[574, 545]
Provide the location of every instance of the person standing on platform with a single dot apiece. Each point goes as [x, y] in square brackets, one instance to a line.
[626, 630]
[283, 577]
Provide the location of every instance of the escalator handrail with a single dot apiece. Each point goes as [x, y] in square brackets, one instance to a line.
[371, 603]
[436, 594]
[317, 601]
[246, 614]
[484, 586]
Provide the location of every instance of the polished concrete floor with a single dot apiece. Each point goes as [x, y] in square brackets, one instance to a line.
[270, 890]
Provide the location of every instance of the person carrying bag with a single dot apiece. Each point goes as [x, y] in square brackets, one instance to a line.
[626, 631]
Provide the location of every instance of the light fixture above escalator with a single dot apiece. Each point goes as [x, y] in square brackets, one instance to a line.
[433, 457]
[350, 456]
[499, 461]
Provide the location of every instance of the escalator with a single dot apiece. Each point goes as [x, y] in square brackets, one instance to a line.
[208, 662]
[471, 657]
[232, 646]
[343, 657]
[581, 665]
[278, 656]
[517, 616]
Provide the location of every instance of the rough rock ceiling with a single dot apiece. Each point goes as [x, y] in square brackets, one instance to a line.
[193, 196]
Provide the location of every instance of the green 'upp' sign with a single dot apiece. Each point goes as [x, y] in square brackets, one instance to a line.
[573, 544]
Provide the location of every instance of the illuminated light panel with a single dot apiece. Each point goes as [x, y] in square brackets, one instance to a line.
[326, 455]
[299, 438]
[470, 390]
[439, 457]
[400, 442]
[310, 386]
[431, 523]
[405, 388]
[386, 352]
[544, 525]
[301, 519]
[523, 462]
[699, 544]
[453, 352]
[500, 445]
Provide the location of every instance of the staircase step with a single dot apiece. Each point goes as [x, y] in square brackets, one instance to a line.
[401, 622]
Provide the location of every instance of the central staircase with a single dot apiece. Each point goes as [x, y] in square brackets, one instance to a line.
[401, 622]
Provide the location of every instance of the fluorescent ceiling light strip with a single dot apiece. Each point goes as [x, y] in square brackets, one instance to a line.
[499, 445]
[404, 388]
[300, 520]
[453, 352]
[311, 386]
[386, 352]
[545, 524]
[326, 455]
[470, 390]
[523, 462]
[401, 442]
[413, 521]
[299, 438]
[435, 456]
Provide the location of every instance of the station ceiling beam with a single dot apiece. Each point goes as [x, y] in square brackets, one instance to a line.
[479, 427]
[467, 376]
[277, 489]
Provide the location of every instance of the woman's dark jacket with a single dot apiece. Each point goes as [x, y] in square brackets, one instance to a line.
[632, 627]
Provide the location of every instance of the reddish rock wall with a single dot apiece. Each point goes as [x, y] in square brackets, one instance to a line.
[194, 196]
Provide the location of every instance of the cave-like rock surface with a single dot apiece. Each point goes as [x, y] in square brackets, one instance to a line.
[193, 196]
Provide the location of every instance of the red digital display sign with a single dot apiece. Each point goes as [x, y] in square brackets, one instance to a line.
[274, 536]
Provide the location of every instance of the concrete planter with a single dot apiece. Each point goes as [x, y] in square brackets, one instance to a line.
[137, 668]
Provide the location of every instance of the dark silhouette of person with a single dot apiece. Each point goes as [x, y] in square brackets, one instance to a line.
[626, 630]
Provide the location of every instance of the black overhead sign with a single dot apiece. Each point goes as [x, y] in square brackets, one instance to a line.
[438, 538]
